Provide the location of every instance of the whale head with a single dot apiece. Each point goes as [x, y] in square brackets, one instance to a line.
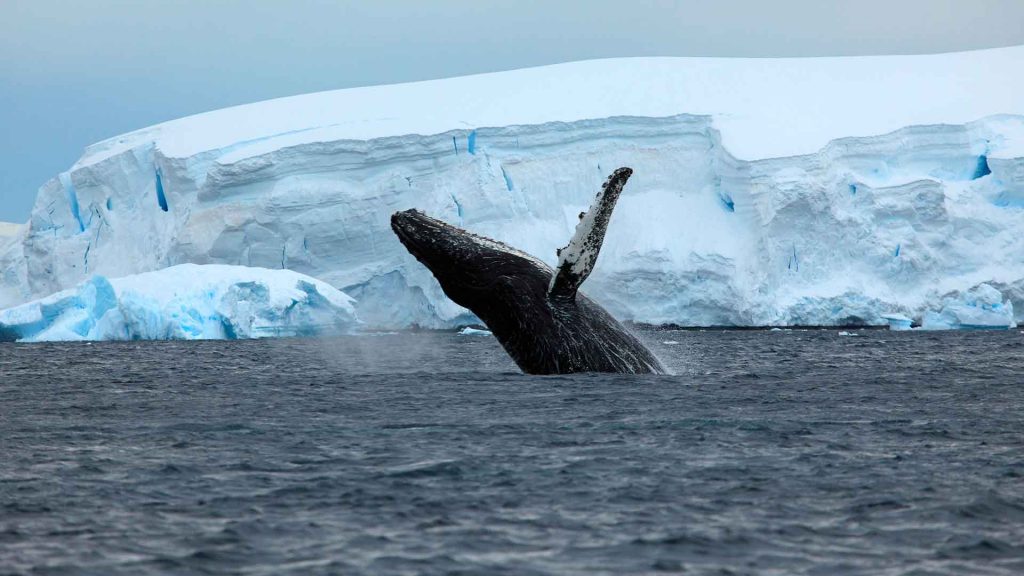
[490, 278]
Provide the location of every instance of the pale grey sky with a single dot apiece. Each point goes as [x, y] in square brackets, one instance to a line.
[73, 72]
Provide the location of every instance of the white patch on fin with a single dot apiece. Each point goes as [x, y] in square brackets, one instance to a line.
[577, 259]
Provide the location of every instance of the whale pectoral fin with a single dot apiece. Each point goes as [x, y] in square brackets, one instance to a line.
[577, 259]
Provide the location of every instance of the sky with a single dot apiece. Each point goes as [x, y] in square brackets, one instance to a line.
[74, 72]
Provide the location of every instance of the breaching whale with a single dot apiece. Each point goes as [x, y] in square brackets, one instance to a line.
[537, 314]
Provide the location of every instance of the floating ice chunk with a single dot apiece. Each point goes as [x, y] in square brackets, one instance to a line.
[981, 308]
[186, 302]
[469, 331]
[670, 342]
[845, 333]
[897, 321]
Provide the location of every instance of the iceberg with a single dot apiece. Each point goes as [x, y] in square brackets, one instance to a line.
[898, 321]
[982, 308]
[186, 302]
[470, 331]
[774, 192]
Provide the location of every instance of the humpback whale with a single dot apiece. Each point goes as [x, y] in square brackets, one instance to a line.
[537, 314]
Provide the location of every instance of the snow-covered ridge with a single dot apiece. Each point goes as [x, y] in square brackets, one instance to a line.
[764, 107]
[922, 197]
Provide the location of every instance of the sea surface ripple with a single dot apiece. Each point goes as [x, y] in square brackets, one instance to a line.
[796, 452]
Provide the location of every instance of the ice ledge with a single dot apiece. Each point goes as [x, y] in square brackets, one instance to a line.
[10, 230]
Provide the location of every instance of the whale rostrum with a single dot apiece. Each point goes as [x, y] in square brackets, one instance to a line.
[537, 314]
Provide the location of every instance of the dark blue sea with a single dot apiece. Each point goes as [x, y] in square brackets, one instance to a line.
[779, 453]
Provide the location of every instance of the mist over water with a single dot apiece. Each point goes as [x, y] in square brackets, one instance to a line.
[802, 452]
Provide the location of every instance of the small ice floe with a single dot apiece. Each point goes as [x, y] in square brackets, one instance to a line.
[845, 333]
[670, 342]
[470, 331]
[897, 321]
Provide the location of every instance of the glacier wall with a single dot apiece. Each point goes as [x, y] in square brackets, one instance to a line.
[866, 226]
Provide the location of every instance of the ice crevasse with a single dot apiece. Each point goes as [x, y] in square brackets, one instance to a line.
[766, 192]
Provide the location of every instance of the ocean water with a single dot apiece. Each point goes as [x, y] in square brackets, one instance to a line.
[802, 452]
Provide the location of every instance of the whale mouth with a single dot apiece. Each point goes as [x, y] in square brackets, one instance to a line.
[414, 230]
[400, 225]
[404, 224]
[437, 243]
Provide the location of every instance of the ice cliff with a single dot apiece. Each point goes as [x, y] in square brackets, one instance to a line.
[184, 302]
[766, 192]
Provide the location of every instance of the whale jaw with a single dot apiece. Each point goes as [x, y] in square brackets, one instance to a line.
[476, 272]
